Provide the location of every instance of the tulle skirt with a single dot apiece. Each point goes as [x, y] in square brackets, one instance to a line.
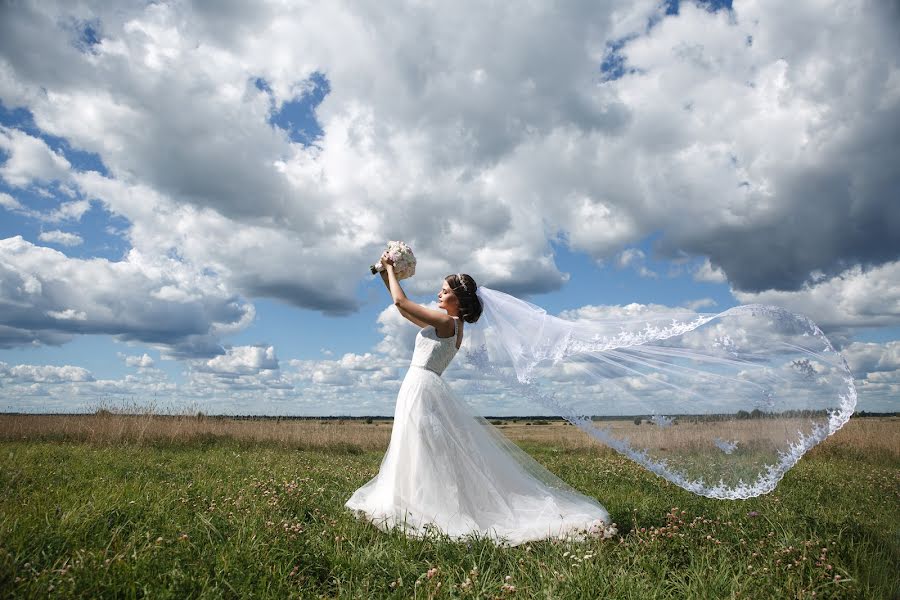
[449, 472]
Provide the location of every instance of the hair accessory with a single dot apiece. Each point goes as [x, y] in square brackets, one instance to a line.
[459, 278]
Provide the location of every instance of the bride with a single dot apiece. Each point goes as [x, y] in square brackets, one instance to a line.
[449, 471]
[731, 402]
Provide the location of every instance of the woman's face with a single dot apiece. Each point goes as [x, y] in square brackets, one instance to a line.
[446, 297]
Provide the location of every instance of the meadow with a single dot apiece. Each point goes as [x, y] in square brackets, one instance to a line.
[145, 505]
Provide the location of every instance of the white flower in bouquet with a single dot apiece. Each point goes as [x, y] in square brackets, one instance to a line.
[402, 257]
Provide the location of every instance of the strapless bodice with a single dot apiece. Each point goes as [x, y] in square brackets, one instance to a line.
[432, 352]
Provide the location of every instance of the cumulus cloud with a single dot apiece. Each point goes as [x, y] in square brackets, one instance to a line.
[700, 303]
[854, 298]
[870, 357]
[630, 256]
[877, 369]
[261, 259]
[707, 272]
[761, 138]
[156, 300]
[634, 258]
[241, 360]
[251, 379]
[44, 373]
[145, 361]
[67, 211]
[720, 130]
[626, 313]
[772, 187]
[29, 159]
[9, 203]
[63, 238]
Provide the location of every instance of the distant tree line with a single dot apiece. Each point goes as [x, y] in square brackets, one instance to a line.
[535, 419]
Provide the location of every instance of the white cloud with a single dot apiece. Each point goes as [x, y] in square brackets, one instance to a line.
[877, 369]
[854, 298]
[241, 360]
[707, 272]
[46, 293]
[30, 159]
[44, 374]
[63, 238]
[870, 357]
[632, 312]
[761, 138]
[634, 258]
[69, 314]
[145, 361]
[251, 379]
[68, 211]
[9, 203]
[630, 257]
[699, 303]
[720, 144]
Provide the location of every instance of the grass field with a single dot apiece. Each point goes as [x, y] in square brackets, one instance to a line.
[146, 506]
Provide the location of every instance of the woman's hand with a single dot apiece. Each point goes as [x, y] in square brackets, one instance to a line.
[386, 261]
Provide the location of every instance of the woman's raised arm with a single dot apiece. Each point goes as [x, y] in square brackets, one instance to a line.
[406, 315]
[436, 318]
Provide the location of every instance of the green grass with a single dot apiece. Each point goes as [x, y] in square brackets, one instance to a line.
[221, 519]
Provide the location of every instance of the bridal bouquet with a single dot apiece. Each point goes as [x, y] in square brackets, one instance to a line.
[403, 258]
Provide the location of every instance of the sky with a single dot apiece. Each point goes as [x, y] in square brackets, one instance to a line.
[191, 194]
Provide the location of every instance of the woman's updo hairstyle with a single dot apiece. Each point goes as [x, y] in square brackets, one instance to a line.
[464, 287]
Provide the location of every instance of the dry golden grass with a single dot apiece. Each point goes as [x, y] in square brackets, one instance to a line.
[111, 428]
[875, 434]
[879, 435]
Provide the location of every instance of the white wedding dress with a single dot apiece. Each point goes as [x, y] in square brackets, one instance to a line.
[449, 471]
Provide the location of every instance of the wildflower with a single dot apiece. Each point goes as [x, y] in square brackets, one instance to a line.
[752, 513]
[432, 572]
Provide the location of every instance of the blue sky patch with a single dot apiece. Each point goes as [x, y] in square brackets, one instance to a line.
[673, 6]
[298, 117]
[23, 120]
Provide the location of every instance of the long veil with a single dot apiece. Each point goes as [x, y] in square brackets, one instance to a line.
[719, 404]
